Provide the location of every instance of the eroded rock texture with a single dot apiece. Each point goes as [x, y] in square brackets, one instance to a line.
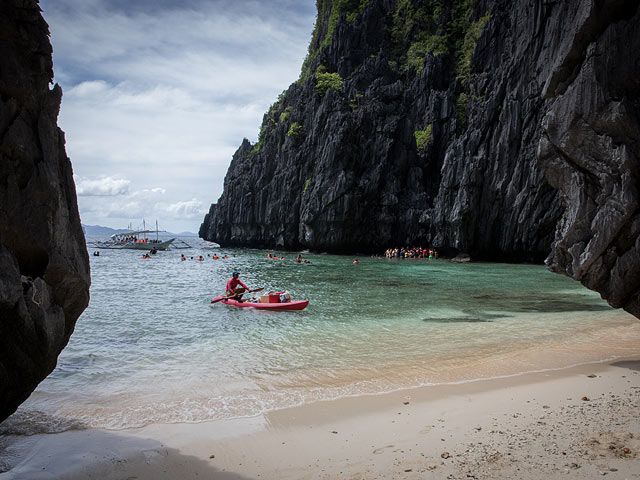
[355, 178]
[343, 169]
[44, 266]
[591, 150]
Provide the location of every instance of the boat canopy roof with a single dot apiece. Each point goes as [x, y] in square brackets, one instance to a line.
[132, 233]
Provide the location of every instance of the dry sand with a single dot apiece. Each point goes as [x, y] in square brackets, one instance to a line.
[577, 423]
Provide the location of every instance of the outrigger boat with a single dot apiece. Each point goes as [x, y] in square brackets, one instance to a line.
[136, 240]
[131, 240]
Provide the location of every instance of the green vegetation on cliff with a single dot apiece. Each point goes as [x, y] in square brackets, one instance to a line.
[284, 116]
[461, 110]
[417, 31]
[326, 81]
[270, 120]
[423, 138]
[468, 46]
[331, 9]
[296, 131]
[417, 28]
[436, 27]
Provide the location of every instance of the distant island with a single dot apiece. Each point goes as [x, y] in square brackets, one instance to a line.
[99, 230]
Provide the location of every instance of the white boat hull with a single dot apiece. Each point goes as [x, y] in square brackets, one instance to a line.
[133, 246]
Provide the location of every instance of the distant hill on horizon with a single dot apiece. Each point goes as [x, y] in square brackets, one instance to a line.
[99, 230]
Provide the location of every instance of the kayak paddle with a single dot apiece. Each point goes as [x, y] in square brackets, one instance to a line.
[237, 296]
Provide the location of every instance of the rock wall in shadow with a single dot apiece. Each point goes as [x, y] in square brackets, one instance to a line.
[371, 148]
[591, 151]
[441, 152]
[44, 266]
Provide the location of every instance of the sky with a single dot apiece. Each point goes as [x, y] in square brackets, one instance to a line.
[158, 95]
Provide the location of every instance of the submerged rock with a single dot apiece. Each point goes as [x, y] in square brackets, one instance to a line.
[461, 258]
[44, 265]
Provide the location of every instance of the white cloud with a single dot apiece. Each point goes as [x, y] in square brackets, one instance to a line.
[128, 210]
[134, 207]
[104, 186]
[193, 208]
[90, 89]
[149, 193]
[162, 93]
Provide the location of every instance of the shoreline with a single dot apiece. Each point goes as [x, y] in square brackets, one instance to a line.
[521, 426]
[618, 336]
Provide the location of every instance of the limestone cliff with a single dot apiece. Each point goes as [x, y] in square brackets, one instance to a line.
[44, 266]
[429, 139]
[419, 122]
[591, 150]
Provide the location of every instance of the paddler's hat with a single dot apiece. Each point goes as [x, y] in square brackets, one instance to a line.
[235, 272]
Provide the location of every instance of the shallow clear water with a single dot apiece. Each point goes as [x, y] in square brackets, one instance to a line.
[152, 348]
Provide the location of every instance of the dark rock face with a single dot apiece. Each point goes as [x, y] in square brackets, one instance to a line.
[543, 80]
[591, 150]
[44, 266]
[356, 179]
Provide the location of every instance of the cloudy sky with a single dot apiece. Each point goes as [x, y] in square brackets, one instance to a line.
[158, 94]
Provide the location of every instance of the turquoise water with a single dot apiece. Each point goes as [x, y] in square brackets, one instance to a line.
[151, 348]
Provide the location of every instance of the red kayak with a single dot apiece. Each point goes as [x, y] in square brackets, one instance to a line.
[297, 305]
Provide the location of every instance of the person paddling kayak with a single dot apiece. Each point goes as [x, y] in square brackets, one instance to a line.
[235, 286]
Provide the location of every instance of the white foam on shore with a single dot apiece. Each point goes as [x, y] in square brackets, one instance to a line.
[193, 402]
[169, 356]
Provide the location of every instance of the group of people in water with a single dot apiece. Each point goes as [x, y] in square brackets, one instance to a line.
[411, 252]
[215, 256]
[153, 251]
[398, 252]
[201, 258]
[299, 259]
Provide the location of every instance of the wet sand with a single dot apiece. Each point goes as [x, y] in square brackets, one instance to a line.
[580, 422]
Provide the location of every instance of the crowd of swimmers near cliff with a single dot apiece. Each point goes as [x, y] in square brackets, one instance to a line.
[403, 252]
[411, 252]
[271, 256]
[215, 256]
[200, 258]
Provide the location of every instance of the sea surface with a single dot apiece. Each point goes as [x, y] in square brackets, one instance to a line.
[151, 348]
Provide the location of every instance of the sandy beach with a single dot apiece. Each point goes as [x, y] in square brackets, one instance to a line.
[579, 422]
